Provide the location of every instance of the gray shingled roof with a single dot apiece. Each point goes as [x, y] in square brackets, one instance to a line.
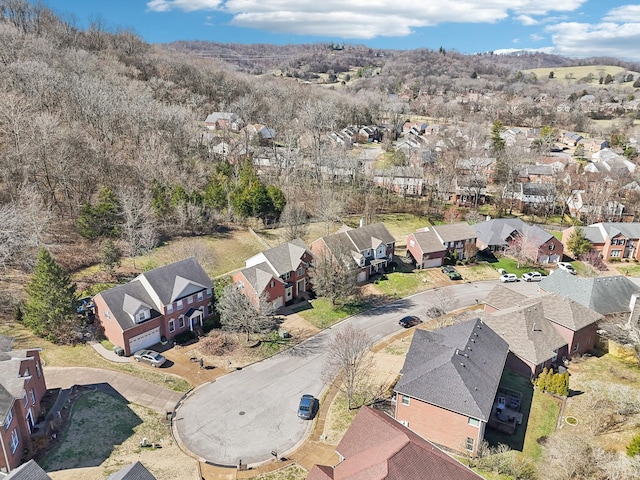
[369, 236]
[502, 297]
[593, 233]
[27, 471]
[259, 276]
[564, 311]
[454, 232]
[457, 368]
[135, 471]
[497, 230]
[428, 241]
[168, 284]
[529, 334]
[628, 230]
[286, 257]
[605, 295]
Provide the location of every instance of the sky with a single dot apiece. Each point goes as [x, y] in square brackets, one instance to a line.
[572, 28]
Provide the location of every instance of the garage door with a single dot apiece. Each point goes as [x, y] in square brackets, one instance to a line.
[362, 277]
[145, 340]
[432, 262]
[277, 303]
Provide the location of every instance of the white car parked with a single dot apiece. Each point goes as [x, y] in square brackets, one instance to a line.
[508, 277]
[567, 267]
[532, 277]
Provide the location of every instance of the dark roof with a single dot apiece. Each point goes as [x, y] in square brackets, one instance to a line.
[529, 334]
[27, 471]
[457, 368]
[428, 241]
[498, 230]
[166, 284]
[135, 471]
[363, 237]
[376, 447]
[606, 295]
[454, 232]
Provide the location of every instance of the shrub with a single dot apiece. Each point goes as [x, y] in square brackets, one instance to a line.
[217, 343]
[633, 448]
[184, 337]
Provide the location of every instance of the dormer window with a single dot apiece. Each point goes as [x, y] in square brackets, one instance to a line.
[141, 316]
[170, 308]
[179, 304]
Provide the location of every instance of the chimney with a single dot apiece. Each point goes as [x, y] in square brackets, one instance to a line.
[361, 222]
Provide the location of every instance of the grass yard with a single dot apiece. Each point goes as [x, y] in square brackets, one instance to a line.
[323, 314]
[630, 269]
[398, 284]
[575, 73]
[292, 472]
[399, 224]
[511, 266]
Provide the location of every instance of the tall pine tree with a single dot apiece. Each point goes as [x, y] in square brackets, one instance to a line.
[50, 309]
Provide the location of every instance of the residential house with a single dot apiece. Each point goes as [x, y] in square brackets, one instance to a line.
[459, 239]
[262, 134]
[280, 273]
[542, 173]
[135, 471]
[449, 382]
[403, 181]
[425, 248]
[223, 121]
[371, 247]
[376, 447]
[537, 196]
[22, 386]
[611, 240]
[533, 341]
[592, 145]
[570, 138]
[27, 471]
[499, 233]
[580, 205]
[156, 305]
[611, 296]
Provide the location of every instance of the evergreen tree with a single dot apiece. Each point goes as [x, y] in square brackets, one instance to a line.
[497, 142]
[50, 308]
[109, 256]
[541, 381]
[633, 448]
[578, 242]
[103, 219]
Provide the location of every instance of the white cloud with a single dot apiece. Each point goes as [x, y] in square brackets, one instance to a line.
[515, 40]
[624, 14]
[535, 37]
[365, 18]
[574, 39]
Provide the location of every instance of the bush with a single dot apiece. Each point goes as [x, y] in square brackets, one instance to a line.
[217, 343]
[184, 337]
[633, 448]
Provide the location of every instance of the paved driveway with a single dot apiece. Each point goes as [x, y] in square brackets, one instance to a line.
[250, 413]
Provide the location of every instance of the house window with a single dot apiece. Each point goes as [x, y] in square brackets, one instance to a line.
[468, 444]
[272, 284]
[172, 325]
[209, 292]
[170, 309]
[552, 247]
[576, 347]
[25, 400]
[300, 271]
[190, 299]
[555, 356]
[474, 422]
[33, 397]
[15, 440]
[38, 369]
[200, 296]
[616, 253]
[286, 276]
[179, 305]
[181, 321]
[8, 420]
[141, 316]
[405, 400]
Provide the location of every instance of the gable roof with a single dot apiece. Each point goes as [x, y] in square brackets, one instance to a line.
[496, 231]
[376, 447]
[356, 240]
[428, 241]
[27, 471]
[135, 471]
[457, 368]
[529, 334]
[282, 259]
[502, 297]
[564, 311]
[610, 230]
[154, 289]
[605, 295]
[259, 276]
[454, 232]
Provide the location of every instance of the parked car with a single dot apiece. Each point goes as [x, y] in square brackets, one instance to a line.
[567, 267]
[448, 269]
[508, 277]
[532, 276]
[409, 321]
[308, 407]
[454, 275]
[149, 356]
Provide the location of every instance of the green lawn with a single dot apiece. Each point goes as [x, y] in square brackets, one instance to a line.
[511, 266]
[323, 314]
[398, 284]
[631, 269]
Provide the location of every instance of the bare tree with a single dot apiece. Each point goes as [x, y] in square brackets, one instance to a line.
[295, 222]
[349, 365]
[523, 248]
[238, 313]
[333, 274]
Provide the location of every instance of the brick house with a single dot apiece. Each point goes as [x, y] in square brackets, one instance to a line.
[611, 240]
[370, 246]
[499, 233]
[376, 447]
[281, 273]
[157, 304]
[223, 121]
[425, 248]
[449, 383]
[22, 386]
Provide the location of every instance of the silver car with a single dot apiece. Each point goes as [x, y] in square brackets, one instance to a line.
[149, 356]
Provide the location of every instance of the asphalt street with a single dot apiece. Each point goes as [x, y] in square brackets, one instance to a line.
[250, 415]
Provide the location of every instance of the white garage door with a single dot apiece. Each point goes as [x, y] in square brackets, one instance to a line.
[144, 340]
[277, 303]
[432, 262]
[362, 277]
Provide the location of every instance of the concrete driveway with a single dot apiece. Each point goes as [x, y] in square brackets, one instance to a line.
[250, 413]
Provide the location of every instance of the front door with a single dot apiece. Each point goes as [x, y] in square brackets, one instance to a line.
[30, 421]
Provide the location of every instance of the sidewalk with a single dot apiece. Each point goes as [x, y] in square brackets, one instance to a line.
[108, 354]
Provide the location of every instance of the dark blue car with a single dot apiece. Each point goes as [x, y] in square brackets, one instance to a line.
[308, 407]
